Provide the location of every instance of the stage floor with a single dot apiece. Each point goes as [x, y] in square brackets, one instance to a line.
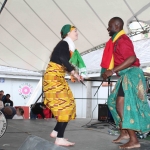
[85, 138]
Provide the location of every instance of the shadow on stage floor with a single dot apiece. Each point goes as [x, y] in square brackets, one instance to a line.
[27, 134]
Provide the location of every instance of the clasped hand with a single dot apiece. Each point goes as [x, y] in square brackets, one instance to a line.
[106, 74]
[78, 77]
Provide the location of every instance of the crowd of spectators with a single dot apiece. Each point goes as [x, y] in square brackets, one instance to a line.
[7, 107]
[37, 110]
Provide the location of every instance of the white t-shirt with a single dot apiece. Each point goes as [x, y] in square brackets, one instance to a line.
[17, 117]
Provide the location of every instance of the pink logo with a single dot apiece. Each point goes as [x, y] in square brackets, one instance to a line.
[25, 90]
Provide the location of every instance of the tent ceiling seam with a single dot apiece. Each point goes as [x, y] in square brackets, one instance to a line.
[18, 56]
[137, 13]
[3, 5]
[129, 8]
[96, 14]
[4, 61]
[21, 43]
[42, 20]
[72, 22]
[26, 29]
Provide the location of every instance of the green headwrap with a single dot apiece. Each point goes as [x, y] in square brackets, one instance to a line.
[65, 29]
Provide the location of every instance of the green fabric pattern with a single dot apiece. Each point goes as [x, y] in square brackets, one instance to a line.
[77, 61]
[114, 36]
[102, 71]
[136, 113]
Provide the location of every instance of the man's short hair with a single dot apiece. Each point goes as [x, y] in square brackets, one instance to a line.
[7, 111]
[119, 19]
[8, 95]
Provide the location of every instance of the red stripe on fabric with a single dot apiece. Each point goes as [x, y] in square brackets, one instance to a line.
[107, 54]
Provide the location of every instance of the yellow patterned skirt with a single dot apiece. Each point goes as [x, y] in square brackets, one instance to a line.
[58, 96]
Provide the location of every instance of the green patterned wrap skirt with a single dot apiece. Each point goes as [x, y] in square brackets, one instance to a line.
[136, 113]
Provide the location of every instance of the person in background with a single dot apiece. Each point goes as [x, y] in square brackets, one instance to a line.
[32, 115]
[7, 101]
[19, 113]
[1, 102]
[46, 112]
[2, 95]
[38, 109]
[1, 105]
[8, 112]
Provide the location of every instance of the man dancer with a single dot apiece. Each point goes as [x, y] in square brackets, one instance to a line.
[128, 101]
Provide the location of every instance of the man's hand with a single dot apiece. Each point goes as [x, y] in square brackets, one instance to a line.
[104, 76]
[107, 74]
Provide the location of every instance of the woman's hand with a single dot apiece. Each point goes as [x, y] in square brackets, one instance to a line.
[77, 76]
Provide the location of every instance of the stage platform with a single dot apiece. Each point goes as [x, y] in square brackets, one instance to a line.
[20, 131]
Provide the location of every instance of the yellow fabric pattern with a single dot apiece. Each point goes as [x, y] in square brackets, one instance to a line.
[118, 35]
[58, 96]
[111, 66]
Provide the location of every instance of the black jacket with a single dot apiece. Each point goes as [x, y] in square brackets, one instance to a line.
[8, 103]
[37, 109]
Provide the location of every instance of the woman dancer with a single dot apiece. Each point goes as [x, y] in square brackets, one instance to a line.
[58, 96]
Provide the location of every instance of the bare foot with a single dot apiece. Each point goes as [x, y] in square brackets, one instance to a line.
[130, 145]
[53, 134]
[121, 137]
[63, 142]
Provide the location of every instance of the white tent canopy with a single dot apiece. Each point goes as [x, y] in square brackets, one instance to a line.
[142, 50]
[31, 28]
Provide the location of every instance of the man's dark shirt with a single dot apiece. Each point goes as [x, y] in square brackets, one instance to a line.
[8, 102]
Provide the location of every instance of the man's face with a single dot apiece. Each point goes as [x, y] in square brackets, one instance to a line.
[112, 27]
[7, 97]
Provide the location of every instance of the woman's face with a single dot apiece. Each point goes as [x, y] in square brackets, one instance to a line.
[73, 34]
